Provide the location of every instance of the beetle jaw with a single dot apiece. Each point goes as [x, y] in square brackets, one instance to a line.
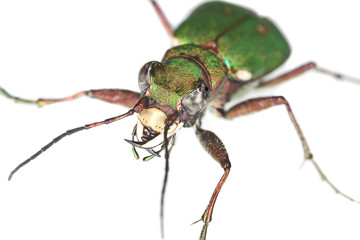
[150, 128]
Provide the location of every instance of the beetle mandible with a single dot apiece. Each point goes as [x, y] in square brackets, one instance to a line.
[199, 91]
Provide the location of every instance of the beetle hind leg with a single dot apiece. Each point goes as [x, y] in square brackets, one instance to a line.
[170, 32]
[257, 104]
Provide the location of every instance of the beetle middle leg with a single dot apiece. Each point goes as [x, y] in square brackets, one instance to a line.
[214, 146]
[302, 69]
[257, 104]
[122, 97]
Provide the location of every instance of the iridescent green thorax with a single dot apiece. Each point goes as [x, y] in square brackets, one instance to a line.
[244, 40]
[211, 63]
[173, 79]
[182, 70]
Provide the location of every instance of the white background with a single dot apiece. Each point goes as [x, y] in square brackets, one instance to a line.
[89, 186]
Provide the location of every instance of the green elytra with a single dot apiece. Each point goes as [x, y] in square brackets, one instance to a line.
[224, 38]
[223, 48]
[243, 39]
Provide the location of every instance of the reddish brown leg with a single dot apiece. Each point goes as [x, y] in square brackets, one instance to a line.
[117, 96]
[163, 18]
[289, 75]
[304, 68]
[165, 23]
[258, 104]
[122, 97]
[214, 146]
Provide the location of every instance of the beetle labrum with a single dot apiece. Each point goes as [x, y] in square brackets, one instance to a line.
[200, 74]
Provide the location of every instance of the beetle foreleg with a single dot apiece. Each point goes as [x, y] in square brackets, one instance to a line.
[258, 104]
[214, 146]
[122, 97]
[117, 96]
[16, 99]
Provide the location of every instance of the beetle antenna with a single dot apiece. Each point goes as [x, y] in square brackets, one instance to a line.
[137, 108]
[166, 142]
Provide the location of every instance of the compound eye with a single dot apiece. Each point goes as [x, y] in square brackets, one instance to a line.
[195, 101]
[145, 75]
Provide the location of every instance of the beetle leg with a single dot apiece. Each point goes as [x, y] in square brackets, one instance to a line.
[302, 69]
[257, 104]
[214, 146]
[289, 75]
[117, 96]
[165, 23]
[122, 97]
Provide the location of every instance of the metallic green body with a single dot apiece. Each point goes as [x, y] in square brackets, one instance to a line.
[173, 80]
[215, 67]
[244, 40]
[182, 70]
[218, 40]
[223, 50]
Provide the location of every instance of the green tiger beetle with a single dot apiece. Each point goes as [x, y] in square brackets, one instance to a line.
[220, 51]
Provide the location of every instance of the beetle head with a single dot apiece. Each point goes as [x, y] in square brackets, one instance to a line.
[176, 86]
[174, 93]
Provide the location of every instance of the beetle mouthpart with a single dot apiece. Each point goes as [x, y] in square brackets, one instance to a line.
[150, 128]
[148, 138]
[152, 118]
